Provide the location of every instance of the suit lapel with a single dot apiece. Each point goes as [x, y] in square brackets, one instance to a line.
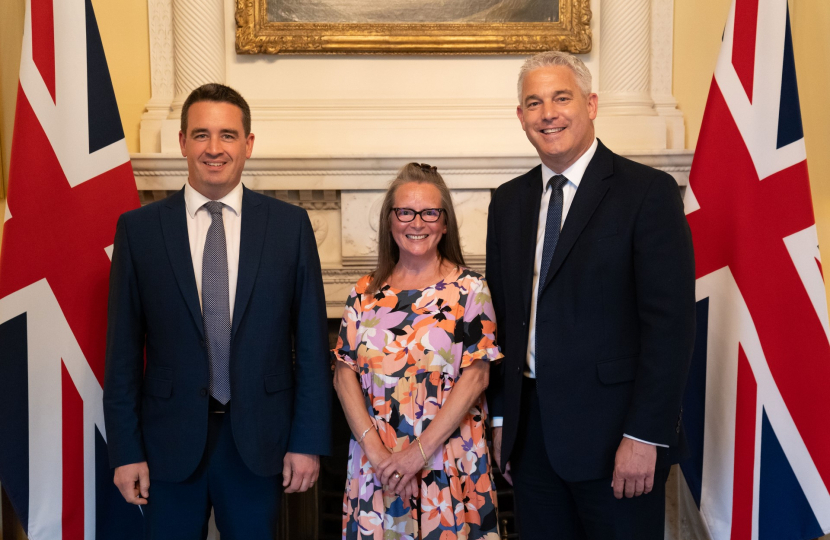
[252, 237]
[531, 201]
[591, 190]
[174, 230]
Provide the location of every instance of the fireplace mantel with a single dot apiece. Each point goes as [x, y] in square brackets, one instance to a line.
[343, 195]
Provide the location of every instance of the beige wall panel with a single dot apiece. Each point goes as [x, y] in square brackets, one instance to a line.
[11, 38]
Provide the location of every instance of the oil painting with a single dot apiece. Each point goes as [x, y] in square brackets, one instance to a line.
[412, 26]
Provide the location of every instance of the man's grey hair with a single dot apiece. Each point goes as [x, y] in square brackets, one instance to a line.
[557, 58]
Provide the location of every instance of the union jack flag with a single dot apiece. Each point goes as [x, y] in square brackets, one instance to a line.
[757, 405]
[70, 179]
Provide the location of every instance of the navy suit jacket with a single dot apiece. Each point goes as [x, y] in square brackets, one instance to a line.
[159, 413]
[615, 318]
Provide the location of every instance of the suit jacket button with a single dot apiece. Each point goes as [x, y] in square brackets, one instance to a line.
[203, 392]
[202, 343]
[518, 368]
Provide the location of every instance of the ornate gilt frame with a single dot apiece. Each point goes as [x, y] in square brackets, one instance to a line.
[256, 35]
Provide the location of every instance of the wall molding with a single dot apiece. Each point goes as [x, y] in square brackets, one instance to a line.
[169, 172]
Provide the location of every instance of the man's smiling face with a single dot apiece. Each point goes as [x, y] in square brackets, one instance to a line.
[216, 147]
[556, 116]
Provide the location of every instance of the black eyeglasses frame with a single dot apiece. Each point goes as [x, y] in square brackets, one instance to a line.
[418, 213]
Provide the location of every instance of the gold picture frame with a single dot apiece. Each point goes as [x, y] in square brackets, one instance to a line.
[255, 34]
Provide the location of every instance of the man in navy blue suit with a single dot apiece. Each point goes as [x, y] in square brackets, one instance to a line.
[217, 388]
[591, 267]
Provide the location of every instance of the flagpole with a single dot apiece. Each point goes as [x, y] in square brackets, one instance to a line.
[11, 527]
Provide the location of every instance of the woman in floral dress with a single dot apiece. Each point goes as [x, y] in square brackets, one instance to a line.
[412, 362]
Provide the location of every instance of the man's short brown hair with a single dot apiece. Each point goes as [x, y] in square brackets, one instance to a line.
[218, 93]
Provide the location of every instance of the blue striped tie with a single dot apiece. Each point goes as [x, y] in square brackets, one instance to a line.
[552, 225]
[216, 312]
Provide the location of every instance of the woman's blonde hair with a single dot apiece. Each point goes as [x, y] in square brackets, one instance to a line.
[449, 247]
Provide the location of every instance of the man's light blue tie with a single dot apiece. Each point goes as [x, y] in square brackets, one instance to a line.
[216, 312]
[552, 225]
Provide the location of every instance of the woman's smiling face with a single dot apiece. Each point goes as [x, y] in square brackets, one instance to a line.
[417, 238]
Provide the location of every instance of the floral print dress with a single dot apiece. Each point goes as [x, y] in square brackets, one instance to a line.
[409, 348]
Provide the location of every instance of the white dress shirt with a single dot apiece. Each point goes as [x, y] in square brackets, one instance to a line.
[198, 223]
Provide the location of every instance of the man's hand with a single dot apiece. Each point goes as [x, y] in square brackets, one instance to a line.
[299, 472]
[634, 468]
[497, 445]
[133, 481]
[497, 455]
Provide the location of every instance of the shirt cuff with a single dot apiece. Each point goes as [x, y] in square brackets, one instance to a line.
[627, 436]
[496, 421]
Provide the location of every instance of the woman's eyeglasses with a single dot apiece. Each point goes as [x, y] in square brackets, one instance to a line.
[429, 215]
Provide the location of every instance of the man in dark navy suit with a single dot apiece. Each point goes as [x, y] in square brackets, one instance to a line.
[590, 263]
[217, 388]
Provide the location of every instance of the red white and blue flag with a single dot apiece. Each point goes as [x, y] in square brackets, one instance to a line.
[69, 181]
[757, 409]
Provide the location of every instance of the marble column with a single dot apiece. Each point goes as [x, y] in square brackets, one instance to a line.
[198, 35]
[627, 117]
[187, 50]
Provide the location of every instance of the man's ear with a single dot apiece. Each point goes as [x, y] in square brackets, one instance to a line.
[182, 140]
[521, 115]
[593, 104]
[249, 145]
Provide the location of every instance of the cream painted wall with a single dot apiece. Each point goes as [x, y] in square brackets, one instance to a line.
[11, 35]
[125, 33]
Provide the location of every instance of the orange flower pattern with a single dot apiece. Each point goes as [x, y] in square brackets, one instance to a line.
[409, 348]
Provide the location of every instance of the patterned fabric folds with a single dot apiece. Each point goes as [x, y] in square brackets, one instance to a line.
[410, 348]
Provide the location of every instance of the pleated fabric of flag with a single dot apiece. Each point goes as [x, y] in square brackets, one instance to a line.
[70, 179]
[756, 407]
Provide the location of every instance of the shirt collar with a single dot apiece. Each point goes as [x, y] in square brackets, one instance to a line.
[575, 172]
[193, 200]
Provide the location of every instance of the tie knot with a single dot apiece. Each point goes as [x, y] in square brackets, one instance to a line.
[557, 182]
[214, 207]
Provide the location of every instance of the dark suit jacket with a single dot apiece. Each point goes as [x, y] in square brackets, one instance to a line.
[615, 318]
[160, 413]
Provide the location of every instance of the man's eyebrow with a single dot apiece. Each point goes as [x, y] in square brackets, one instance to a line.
[201, 131]
[556, 93]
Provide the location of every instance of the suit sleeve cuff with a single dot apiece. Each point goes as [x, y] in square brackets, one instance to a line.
[627, 436]
[496, 421]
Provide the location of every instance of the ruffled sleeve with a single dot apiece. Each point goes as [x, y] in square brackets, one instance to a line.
[346, 349]
[479, 323]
